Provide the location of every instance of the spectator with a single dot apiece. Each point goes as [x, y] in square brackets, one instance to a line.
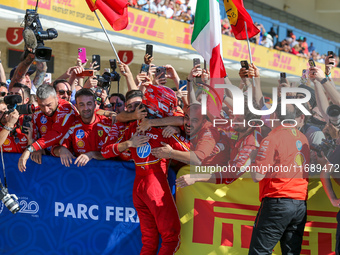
[273, 34]
[304, 46]
[26, 80]
[156, 7]
[267, 41]
[117, 102]
[3, 89]
[22, 90]
[311, 48]
[86, 135]
[169, 10]
[280, 45]
[283, 194]
[52, 122]
[143, 5]
[63, 89]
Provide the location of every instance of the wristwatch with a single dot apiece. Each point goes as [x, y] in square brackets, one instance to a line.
[8, 128]
[323, 81]
[30, 148]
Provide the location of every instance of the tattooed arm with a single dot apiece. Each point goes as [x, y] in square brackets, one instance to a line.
[40, 74]
[22, 69]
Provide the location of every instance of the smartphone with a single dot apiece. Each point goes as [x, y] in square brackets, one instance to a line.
[113, 64]
[331, 55]
[159, 70]
[149, 49]
[311, 62]
[196, 61]
[26, 123]
[304, 73]
[144, 68]
[48, 78]
[282, 77]
[205, 65]
[82, 55]
[244, 64]
[85, 73]
[183, 83]
[96, 58]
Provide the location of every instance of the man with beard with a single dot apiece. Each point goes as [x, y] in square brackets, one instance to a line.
[87, 134]
[63, 89]
[52, 121]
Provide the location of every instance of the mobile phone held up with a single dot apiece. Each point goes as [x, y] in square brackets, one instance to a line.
[144, 68]
[244, 64]
[96, 58]
[85, 73]
[149, 50]
[160, 70]
[311, 63]
[331, 55]
[282, 78]
[82, 55]
[196, 61]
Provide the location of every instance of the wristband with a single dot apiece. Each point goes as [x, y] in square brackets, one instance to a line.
[328, 76]
[188, 80]
[323, 81]
[8, 128]
[30, 148]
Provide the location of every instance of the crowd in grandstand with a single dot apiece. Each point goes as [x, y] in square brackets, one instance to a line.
[77, 119]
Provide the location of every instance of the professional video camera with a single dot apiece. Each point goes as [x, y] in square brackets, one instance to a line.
[32, 22]
[327, 147]
[12, 102]
[106, 78]
[9, 200]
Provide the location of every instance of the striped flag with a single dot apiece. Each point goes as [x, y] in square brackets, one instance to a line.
[207, 40]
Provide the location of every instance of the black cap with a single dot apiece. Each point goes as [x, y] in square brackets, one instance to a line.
[29, 72]
[312, 100]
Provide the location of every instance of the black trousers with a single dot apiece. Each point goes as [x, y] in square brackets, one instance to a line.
[279, 219]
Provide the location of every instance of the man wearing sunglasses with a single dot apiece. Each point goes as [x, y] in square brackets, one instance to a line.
[117, 102]
[63, 89]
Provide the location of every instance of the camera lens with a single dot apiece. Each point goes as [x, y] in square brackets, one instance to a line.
[11, 204]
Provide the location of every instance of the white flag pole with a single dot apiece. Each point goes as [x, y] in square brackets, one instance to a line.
[250, 56]
[114, 50]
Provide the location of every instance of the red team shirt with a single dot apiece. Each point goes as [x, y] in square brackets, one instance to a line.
[82, 138]
[52, 129]
[145, 162]
[284, 146]
[115, 136]
[16, 143]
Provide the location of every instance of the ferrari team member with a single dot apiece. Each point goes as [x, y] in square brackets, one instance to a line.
[152, 197]
[52, 121]
[280, 170]
[133, 101]
[86, 135]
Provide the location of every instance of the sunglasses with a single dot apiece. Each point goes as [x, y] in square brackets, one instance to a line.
[3, 94]
[62, 92]
[118, 104]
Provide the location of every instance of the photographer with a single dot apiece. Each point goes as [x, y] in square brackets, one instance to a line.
[12, 139]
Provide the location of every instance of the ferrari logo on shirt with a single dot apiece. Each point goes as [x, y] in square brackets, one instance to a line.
[100, 133]
[80, 144]
[294, 132]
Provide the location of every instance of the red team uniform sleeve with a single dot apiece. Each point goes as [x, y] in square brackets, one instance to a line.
[206, 144]
[178, 142]
[265, 155]
[59, 129]
[110, 147]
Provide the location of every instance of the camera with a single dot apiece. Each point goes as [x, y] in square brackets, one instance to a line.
[327, 147]
[32, 22]
[333, 111]
[9, 200]
[12, 102]
[108, 77]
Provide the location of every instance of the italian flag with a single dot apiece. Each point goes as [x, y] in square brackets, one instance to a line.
[207, 38]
